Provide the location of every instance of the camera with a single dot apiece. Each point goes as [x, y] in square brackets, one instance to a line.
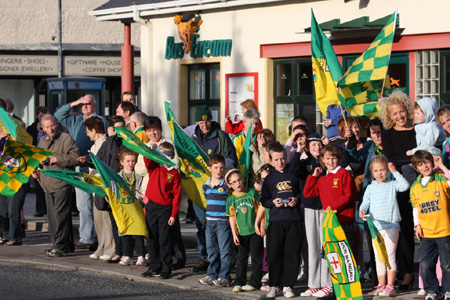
[285, 202]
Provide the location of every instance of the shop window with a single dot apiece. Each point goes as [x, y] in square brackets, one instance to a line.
[427, 74]
[204, 89]
[444, 73]
[293, 95]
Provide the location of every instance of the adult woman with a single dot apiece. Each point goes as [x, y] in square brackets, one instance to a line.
[262, 137]
[235, 128]
[399, 137]
[95, 130]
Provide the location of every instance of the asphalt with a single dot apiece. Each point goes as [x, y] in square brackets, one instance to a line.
[37, 240]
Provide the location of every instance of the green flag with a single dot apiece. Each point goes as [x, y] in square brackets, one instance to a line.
[360, 87]
[132, 142]
[246, 155]
[326, 68]
[193, 161]
[343, 269]
[86, 182]
[17, 163]
[9, 126]
[126, 209]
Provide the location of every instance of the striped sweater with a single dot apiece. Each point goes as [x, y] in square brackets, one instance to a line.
[216, 200]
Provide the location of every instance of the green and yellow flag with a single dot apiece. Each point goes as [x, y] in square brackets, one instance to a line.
[326, 68]
[360, 87]
[17, 163]
[378, 242]
[343, 269]
[132, 142]
[193, 161]
[86, 182]
[9, 126]
[126, 209]
[246, 155]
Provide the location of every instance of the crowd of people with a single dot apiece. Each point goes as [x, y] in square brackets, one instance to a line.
[398, 176]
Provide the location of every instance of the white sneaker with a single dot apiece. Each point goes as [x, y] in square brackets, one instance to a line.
[287, 292]
[273, 291]
[447, 296]
[93, 256]
[431, 296]
[126, 261]
[140, 261]
[237, 289]
[207, 280]
[248, 288]
[265, 278]
[221, 282]
[322, 292]
[105, 257]
[309, 292]
[422, 292]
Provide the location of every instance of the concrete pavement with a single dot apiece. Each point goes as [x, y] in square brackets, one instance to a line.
[37, 240]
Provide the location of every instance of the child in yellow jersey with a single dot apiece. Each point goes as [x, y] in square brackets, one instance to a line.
[430, 200]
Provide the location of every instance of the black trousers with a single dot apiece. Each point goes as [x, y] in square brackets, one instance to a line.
[129, 241]
[60, 219]
[41, 207]
[116, 236]
[254, 245]
[160, 241]
[284, 242]
[179, 251]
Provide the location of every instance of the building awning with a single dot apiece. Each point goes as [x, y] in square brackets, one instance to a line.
[134, 10]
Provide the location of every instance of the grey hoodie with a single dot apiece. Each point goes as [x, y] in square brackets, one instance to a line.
[429, 133]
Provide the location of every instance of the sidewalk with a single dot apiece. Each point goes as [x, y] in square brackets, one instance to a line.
[37, 240]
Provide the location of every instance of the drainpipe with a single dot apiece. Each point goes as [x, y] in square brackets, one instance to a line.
[127, 61]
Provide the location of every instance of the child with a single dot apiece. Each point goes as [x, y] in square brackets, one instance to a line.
[262, 220]
[319, 279]
[428, 133]
[443, 119]
[336, 189]
[280, 193]
[219, 241]
[127, 159]
[430, 200]
[380, 201]
[242, 207]
[164, 195]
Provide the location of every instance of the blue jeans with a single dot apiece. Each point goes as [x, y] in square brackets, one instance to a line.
[200, 219]
[84, 206]
[430, 249]
[219, 241]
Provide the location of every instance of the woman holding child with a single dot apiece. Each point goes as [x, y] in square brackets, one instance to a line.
[398, 138]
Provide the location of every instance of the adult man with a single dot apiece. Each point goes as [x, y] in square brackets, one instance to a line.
[212, 140]
[74, 123]
[128, 96]
[137, 126]
[10, 109]
[125, 109]
[57, 192]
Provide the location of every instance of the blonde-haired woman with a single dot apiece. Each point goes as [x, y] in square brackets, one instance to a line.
[236, 128]
[399, 137]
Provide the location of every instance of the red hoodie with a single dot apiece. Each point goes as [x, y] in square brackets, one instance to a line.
[164, 186]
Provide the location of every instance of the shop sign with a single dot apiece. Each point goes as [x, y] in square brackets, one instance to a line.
[28, 65]
[97, 66]
[199, 49]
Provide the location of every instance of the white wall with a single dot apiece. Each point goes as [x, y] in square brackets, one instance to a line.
[21, 92]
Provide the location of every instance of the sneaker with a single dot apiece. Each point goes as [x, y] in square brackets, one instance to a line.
[431, 296]
[237, 289]
[389, 291]
[147, 257]
[273, 291]
[248, 288]
[422, 292]
[151, 273]
[207, 280]
[447, 296]
[126, 261]
[378, 289]
[202, 266]
[93, 256]
[309, 292]
[322, 292]
[221, 282]
[265, 278]
[56, 253]
[105, 257]
[287, 292]
[165, 275]
[140, 261]
[264, 288]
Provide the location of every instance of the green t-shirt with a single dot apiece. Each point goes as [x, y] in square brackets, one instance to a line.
[244, 208]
